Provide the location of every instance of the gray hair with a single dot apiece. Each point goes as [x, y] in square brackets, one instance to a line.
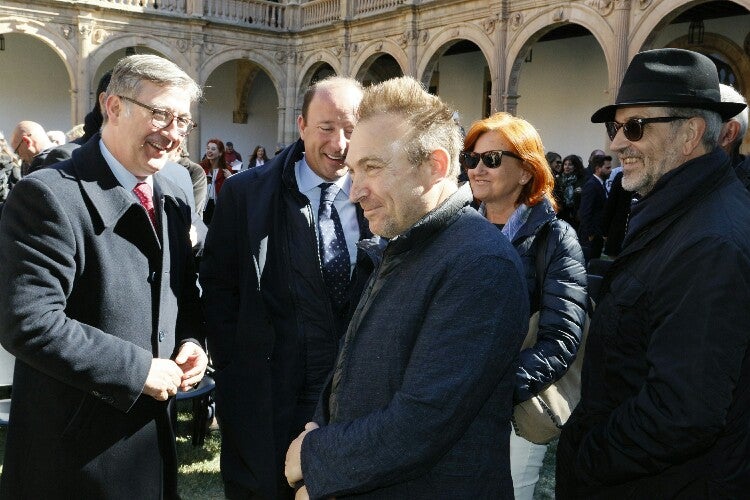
[130, 73]
[430, 120]
[710, 139]
[730, 94]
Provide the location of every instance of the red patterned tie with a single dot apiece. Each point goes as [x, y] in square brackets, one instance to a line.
[146, 196]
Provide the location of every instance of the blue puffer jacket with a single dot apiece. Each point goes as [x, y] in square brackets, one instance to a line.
[563, 304]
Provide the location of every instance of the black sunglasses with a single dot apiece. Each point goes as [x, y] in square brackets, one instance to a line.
[492, 159]
[633, 128]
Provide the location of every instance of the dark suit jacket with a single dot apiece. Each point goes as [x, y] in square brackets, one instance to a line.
[591, 213]
[264, 296]
[91, 295]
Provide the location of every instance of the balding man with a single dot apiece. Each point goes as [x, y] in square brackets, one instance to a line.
[30, 142]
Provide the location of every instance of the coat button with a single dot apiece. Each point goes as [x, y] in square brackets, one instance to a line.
[161, 335]
[152, 277]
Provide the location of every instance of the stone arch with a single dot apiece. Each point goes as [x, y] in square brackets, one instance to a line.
[375, 49]
[118, 42]
[260, 59]
[438, 45]
[544, 22]
[643, 33]
[314, 61]
[58, 43]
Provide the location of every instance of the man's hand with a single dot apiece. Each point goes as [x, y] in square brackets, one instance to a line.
[163, 379]
[301, 494]
[192, 361]
[293, 463]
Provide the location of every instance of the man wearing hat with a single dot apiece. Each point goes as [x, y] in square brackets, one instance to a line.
[665, 409]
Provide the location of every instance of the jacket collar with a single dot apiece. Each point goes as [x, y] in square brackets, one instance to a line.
[109, 199]
[541, 213]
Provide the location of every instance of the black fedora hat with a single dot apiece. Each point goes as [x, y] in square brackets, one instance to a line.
[672, 78]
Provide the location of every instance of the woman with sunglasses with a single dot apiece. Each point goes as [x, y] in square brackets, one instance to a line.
[509, 174]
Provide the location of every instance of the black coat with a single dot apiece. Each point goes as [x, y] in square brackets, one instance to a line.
[591, 211]
[665, 410]
[616, 214]
[91, 296]
[262, 297]
[563, 304]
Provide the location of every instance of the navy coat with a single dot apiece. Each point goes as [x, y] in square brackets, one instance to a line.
[420, 401]
[91, 295]
[591, 212]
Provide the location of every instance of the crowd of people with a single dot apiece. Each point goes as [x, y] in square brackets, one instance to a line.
[366, 314]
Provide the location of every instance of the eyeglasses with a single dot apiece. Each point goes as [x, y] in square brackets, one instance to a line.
[492, 159]
[161, 118]
[633, 128]
[20, 143]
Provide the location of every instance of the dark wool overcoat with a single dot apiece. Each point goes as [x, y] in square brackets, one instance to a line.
[665, 405]
[91, 295]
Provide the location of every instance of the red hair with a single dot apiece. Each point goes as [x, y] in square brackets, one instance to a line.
[527, 144]
[206, 164]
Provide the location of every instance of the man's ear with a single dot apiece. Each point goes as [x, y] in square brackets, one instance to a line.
[729, 133]
[694, 130]
[439, 162]
[112, 107]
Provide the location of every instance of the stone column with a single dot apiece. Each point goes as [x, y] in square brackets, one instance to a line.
[622, 34]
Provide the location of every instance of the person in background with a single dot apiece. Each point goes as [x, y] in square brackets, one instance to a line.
[197, 177]
[232, 157]
[258, 157]
[281, 273]
[508, 173]
[591, 211]
[100, 302]
[732, 134]
[30, 142]
[665, 410]
[419, 402]
[217, 171]
[555, 163]
[568, 187]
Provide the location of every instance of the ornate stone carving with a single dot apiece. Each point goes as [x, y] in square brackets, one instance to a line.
[66, 30]
[559, 15]
[516, 20]
[488, 25]
[605, 7]
[280, 57]
[644, 4]
[337, 50]
[209, 48]
[424, 35]
[85, 29]
[182, 45]
[98, 36]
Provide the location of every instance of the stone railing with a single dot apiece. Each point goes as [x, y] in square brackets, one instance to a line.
[320, 12]
[246, 12]
[258, 13]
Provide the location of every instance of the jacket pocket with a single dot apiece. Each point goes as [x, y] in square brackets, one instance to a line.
[80, 423]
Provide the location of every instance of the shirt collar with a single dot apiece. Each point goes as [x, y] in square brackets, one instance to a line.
[307, 180]
[123, 175]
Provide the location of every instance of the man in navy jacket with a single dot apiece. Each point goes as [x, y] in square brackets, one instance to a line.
[419, 403]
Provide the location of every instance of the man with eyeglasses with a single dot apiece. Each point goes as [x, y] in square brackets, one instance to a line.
[100, 305]
[665, 409]
[31, 144]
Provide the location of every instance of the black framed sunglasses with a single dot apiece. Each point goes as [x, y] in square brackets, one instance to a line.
[491, 159]
[633, 128]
